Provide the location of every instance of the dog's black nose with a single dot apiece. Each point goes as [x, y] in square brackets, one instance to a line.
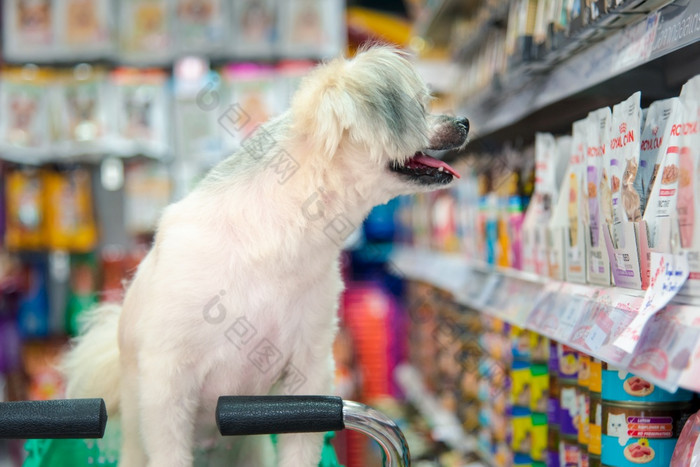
[464, 123]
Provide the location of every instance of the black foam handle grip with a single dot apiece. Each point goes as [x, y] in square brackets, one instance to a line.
[57, 419]
[261, 415]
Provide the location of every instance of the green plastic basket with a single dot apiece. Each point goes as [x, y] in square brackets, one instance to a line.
[105, 452]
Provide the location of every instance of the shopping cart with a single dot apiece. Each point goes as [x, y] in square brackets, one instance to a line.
[81, 420]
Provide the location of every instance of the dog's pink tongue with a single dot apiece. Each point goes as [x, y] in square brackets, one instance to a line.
[436, 163]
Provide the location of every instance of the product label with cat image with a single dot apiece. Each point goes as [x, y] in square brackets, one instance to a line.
[635, 434]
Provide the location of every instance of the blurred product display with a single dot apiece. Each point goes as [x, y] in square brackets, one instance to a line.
[543, 310]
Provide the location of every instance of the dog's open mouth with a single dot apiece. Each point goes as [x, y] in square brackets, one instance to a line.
[425, 169]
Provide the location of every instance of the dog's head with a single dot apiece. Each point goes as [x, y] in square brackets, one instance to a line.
[367, 117]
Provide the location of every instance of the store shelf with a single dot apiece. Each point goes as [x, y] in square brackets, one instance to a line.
[651, 37]
[444, 424]
[587, 318]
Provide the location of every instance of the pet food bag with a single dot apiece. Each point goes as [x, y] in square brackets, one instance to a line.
[558, 220]
[598, 187]
[140, 102]
[255, 28]
[25, 130]
[620, 199]
[655, 136]
[535, 258]
[577, 206]
[689, 184]
[69, 211]
[310, 29]
[145, 32]
[202, 26]
[29, 31]
[82, 111]
[26, 216]
[85, 29]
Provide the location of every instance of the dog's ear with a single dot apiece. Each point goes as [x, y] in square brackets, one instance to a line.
[323, 109]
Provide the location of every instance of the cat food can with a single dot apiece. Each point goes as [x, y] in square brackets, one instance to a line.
[583, 455]
[567, 362]
[569, 452]
[521, 430]
[568, 408]
[593, 460]
[621, 386]
[538, 447]
[595, 380]
[646, 434]
[584, 370]
[583, 418]
[553, 400]
[539, 388]
[595, 424]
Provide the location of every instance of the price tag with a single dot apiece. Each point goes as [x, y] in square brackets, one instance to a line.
[570, 316]
[669, 274]
[596, 337]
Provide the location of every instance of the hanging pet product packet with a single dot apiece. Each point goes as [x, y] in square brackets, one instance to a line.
[82, 114]
[621, 201]
[689, 185]
[84, 29]
[145, 31]
[598, 187]
[555, 232]
[540, 208]
[310, 29]
[25, 130]
[201, 26]
[28, 30]
[655, 137]
[661, 214]
[566, 225]
[255, 28]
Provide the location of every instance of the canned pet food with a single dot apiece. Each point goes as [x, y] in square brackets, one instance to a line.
[568, 408]
[569, 452]
[621, 386]
[520, 384]
[595, 424]
[584, 406]
[539, 388]
[567, 362]
[595, 380]
[635, 434]
[521, 425]
[553, 446]
[553, 400]
[584, 370]
[583, 453]
[539, 437]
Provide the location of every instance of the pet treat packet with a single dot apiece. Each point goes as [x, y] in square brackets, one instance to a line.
[84, 29]
[689, 184]
[29, 31]
[655, 136]
[598, 190]
[663, 199]
[255, 28]
[623, 164]
[598, 131]
[201, 26]
[145, 32]
[577, 206]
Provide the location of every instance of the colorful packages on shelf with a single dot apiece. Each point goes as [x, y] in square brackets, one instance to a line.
[145, 32]
[255, 28]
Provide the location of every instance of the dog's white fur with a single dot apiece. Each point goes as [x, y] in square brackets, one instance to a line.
[253, 252]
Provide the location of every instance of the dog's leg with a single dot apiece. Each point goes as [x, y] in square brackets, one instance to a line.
[304, 450]
[132, 453]
[168, 401]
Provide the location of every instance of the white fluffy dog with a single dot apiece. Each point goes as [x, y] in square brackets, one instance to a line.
[238, 294]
